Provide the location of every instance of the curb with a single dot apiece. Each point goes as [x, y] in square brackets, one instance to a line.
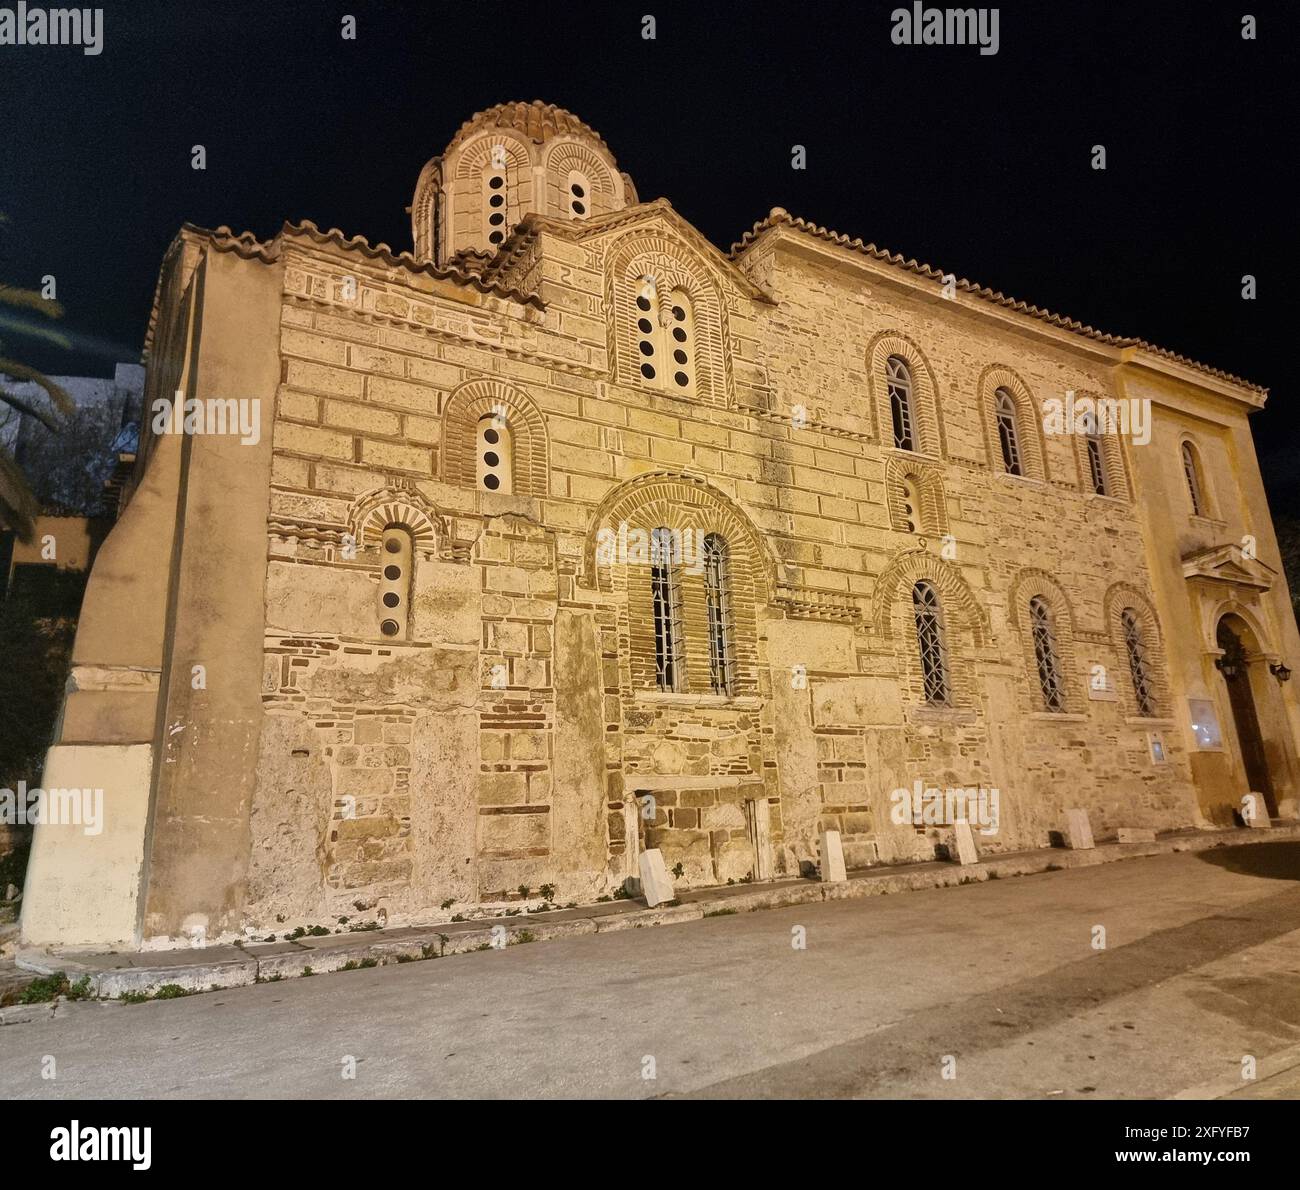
[143, 973]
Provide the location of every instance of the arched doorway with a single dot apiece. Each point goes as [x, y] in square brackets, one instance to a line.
[1237, 665]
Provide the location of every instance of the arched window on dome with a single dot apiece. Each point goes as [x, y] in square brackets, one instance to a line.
[496, 196]
[395, 558]
[494, 461]
[578, 194]
[898, 380]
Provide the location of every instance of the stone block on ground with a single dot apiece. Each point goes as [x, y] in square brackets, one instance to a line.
[1260, 819]
[964, 842]
[832, 855]
[1078, 830]
[656, 884]
[1132, 834]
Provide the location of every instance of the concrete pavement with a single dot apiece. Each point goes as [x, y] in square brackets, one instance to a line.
[997, 984]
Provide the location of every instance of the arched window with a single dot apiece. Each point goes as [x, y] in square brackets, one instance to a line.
[494, 461]
[717, 599]
[649, 333]
[911, 504]
[495, 196]
[898, 380]
[679, 323]
[1096, 463]
[1008, 431]
[929, 643]
[1138, 666]
[395, 553]
[665, 553]
[1045, 655]
[579, 194]
[1192, 473]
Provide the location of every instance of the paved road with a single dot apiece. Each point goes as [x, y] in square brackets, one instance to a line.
[996, 983]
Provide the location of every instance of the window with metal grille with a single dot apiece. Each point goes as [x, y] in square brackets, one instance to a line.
[898, 380]
[1138, 666]
[717, 598]
[929, 643]
[1096, 464]
[667, 611]
[1008, 431]
[1049, 668]
[1192, 474]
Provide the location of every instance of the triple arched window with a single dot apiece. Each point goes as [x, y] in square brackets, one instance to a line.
[666, 610]
[928, 614]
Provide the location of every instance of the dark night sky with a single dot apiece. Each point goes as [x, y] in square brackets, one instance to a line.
[976, 164]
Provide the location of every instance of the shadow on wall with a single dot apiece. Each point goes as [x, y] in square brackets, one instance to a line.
[1272, 861]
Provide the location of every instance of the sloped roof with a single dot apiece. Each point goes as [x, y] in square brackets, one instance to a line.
[779, 217]
[537, 121]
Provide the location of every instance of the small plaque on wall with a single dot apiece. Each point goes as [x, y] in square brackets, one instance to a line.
[1205, 724]
[1156, 746]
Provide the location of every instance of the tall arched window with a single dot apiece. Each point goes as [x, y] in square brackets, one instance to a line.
[395, 553]
[665, 553]
[1096, 461]
[679, 323]
[1192, 473]
[911, 505]
[1138, 666]
[1045, 655]
[1008, 431]
[929, 643]
[494, 465]
[717, 600]
[898, 380]
[649, 332]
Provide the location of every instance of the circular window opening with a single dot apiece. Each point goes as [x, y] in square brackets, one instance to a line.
[392, 573]
[679, 334]
[495, 200]
[643, 325]
[491, 458]
[680, 356]
[496, 218]
[579, 208]
[647, 348]
[682, 379]
[491, 437]
[491, 482]
[643, 303]
[392, 545]
[578, 191]
[496, 237]
[389, 628]
[391, 599]
[496, 182]
[647, 371]
[679, 314]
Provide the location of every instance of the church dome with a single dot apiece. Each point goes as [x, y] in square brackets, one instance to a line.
[505, 163]
[539, 122]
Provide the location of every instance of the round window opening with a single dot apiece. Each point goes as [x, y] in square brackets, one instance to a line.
[647, 371]
[647, 348]
[578, 191]
[491, 437]
[391, 599]
[643, 303]
[496, 200]
[497, 182]
[393, 546]
[392, 573]
[643, 325]
[491, 458]
[682, 379]
[496, 237]
[679, 334]
[679, 314]
[389, 628]
[491, 482]
[579, 208]
[680, 356]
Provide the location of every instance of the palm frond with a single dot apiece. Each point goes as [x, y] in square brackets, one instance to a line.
[29, 299]
[18, 506]
[58, 395]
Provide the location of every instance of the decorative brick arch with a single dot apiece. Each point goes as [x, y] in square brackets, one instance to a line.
[475, 155]
[925, 392]
[932, 514]
[1028, 584]
[1112, 452]
[562, 156]
[424, 205]
[470, 403]
[1119, 596]
[687, 503]
[965, 623]
[644, 253]
[1029, 420]
[374, 511]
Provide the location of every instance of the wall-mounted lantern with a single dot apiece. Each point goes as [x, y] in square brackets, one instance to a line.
[1280, 671]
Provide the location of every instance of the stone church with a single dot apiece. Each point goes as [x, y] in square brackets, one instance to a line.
[567, 534]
